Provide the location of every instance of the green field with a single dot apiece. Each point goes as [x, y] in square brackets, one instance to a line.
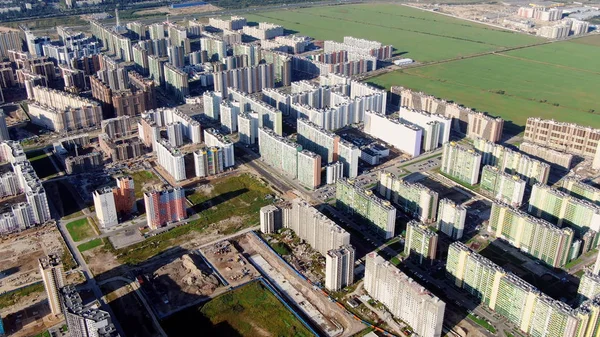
[11, 298]
[421, 35]
[558, 80]
[80, 229]
[483, 323]
[251, 310]
[89, 245]
[140, 178]
[239, 196]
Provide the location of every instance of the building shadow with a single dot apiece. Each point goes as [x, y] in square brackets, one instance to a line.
[7, 272]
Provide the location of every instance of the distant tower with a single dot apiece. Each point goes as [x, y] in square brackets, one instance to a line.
[117, 16]
[51, 269]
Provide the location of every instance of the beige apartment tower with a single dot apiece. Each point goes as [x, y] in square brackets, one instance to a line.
[51, 269]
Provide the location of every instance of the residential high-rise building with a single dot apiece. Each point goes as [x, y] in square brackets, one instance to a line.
[229, 115]
[234, 23]
[270, 219]
[404, 298]
[213, 138]
[247, 79]
[576, 187]
[124, 193]
[106, 211]
[339, 268]
[348, 155]
[502, 186]
[10, 40]
[508, 295]
[309, 169]
[176, 56]
[170, 159]
[421, 242]
[312, 226]
[278, 152]
[175, 133]
[215, 49]
[512, 162]
[212, 104]
[377, 212]
[318, 140]
[248, 127]
[406, 137]
[208, 162]
[161, 117]
[176, 81]
[412, 198]
[51, 269]
[561, 159]
[451, 219]
[563, 209]
[163, 207]
[596, 269]
[461, 163]
[156, 69]
[334, 172]
[534, 236]
[436, 128]
[85, 320]
[567, 137]
[589, 286]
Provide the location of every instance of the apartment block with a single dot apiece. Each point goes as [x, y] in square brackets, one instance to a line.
[576, 187]
[170, 159]
[10, 40]
[214, 138]
[175, 133]
[508, 295]
[564, 210]
[270, 219]
[589, 286]
[234, 23]
[51, 269]
[309, 169]
[513, 162]
[318, 140]
[212, 104]
[163, 207]
[451, 219]
[502, 186]
[229, 115]
[411, 198]
[348, 155]
[404, 298]
[461, 163]
[536, 237]
[278, 152]
[106, 210]
[62, 111]
[376, 212]
[404, 136]
[85, 163]
[208, 162]
[436, 128]
[216, 50]
[85, 320]
[248, 127]
[339, 268]
[566, 137]
[176, 82]
[192, 129]
[561, 159]
[263, 31]
[248, 79]
[334, 172]
[421, 242]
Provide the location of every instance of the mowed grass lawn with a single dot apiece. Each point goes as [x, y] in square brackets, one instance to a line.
[558, 80]
[80, 229]
[421, 35]
[251, 310]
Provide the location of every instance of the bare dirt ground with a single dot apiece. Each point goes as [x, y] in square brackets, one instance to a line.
[230, 263]
[250, 245]
[19, 255]
[176, 284]
[100, 260]
[178, 11]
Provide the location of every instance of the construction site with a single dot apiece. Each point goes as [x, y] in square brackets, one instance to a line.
[326, 315]
[233, 267]
[19, 254]
[184, 280]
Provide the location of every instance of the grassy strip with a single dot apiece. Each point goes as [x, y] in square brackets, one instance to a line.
[483, 323]
[80, 230]
[89, 245]
[11, 298]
